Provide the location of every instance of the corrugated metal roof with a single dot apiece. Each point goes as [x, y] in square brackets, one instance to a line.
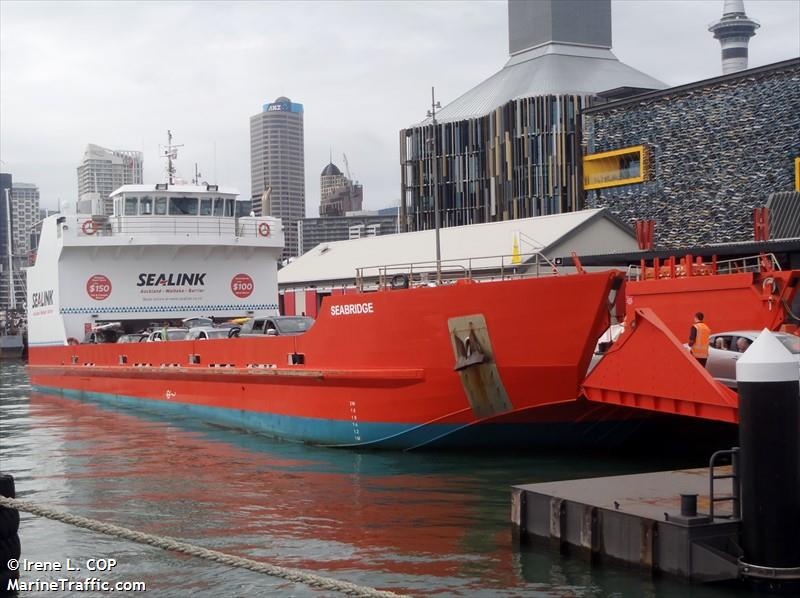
[338, 260]
[556, 69]
[784, 214]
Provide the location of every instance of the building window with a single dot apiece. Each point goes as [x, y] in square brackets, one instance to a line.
[618, 167]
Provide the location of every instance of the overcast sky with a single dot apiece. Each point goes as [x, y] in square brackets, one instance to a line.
[119, 74]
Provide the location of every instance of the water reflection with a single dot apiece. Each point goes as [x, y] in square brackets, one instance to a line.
[424, 523]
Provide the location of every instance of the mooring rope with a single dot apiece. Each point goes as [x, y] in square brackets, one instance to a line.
[293, 575]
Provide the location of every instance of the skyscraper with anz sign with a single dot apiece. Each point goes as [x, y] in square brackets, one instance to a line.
[277, 166]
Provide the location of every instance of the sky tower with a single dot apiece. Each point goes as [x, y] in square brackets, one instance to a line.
[734, 31]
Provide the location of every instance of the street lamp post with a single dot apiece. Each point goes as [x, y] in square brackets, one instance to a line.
[435, 184]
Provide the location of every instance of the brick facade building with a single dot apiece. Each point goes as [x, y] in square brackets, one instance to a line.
[697, 158]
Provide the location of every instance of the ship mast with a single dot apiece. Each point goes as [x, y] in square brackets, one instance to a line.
[170, 153]
[435, 185]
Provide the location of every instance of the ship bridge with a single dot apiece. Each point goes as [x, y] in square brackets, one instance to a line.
[167, 252]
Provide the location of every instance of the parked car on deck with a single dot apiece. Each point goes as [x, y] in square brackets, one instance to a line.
[202, 333]
[725, 349]
[196, 321]
[100, 336]
[167, 334]
[103, 333]
[135, 337]
[277, 326]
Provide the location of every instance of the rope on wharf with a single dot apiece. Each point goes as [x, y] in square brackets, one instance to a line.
[293, 575]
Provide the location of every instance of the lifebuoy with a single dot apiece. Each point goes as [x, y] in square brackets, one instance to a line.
[88, 227]
[263, 229]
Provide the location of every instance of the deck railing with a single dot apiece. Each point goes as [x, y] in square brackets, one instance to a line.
[677, 267]
[484, 268]
[179, 226]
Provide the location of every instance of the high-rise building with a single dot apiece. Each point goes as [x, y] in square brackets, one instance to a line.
[277, 164]
[19, 213]
[25, 215]
[511, 146]
[734, 31]
[6, 250]
[104, 171]
[338, 194]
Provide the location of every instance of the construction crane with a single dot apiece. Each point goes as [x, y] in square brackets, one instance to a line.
[346, 166]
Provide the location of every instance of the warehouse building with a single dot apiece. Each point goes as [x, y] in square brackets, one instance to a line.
[486, 251]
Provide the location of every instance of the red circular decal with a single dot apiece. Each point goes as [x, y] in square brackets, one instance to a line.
[242, 285]
[98, 287]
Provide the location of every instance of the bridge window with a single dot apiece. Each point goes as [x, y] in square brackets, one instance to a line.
[161, 206]
[230, 207]
[618, 167]
[219, 206]
[243, 208]
[183, 206]
[205, 206]
[146, 206]
[131, 206]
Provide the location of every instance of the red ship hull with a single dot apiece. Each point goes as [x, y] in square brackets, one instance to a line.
[378, 369]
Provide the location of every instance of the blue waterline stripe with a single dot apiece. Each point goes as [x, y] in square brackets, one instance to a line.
[304, 429]
[398, 436]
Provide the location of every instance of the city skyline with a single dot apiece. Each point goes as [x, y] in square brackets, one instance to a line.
[359, 90]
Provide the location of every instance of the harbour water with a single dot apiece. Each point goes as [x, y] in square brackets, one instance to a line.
[418, 523]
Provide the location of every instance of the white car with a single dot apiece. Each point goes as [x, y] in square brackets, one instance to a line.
[167, 334]
[202, 333]
[725, 349]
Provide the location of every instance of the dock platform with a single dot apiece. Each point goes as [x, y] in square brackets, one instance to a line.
[634, 519]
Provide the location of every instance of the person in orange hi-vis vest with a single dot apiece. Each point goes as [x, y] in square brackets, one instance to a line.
[698, 339]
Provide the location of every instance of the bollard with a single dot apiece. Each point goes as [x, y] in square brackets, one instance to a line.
[688, 505]
[9, 537]
[768, 377]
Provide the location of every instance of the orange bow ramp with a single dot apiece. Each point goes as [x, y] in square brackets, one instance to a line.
[649, 368]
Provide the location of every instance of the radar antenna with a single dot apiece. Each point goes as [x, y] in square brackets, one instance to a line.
[170, 152]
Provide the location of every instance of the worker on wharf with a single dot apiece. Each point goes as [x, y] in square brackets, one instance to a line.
[698, 339]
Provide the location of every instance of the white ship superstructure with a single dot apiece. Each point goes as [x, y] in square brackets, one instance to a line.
[167, 252]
